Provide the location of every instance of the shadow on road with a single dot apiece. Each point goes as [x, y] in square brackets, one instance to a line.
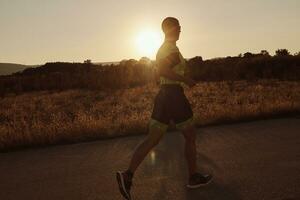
[212, 191]
[167, 173]
[206, 164]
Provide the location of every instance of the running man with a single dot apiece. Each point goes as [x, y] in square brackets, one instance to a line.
[170, 104]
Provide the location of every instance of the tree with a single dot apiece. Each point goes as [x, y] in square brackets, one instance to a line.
[195, 62]
[123, 62]
[264, 53]
[131, 62]
[282, 52]
[248, 55]
[196, 59]
[145, 61]
[297, 54]
[88, 61]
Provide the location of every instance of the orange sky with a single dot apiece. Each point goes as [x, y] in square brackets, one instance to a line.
[35, 32]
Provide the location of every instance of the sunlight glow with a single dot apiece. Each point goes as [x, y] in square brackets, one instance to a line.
[152, 156]
[148, 42]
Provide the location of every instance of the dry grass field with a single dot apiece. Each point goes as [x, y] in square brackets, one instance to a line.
[47, 117]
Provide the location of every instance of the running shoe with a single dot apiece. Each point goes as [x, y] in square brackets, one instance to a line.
[198, 180]
[125, 181]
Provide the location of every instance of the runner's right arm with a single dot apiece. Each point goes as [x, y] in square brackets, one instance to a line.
[165, 69]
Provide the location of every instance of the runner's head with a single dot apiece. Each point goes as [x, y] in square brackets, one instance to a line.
[171, 28]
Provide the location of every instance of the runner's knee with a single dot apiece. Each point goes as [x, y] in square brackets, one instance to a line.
[186, 125]
[156, 131]
[188, 129]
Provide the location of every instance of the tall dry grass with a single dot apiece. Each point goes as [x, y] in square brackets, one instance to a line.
[44, 117]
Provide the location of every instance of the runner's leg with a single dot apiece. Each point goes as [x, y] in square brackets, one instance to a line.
[156, 131]
[189, 132]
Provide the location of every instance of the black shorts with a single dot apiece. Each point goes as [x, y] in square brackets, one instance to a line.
[171, 104]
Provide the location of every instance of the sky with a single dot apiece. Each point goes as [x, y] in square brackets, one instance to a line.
[40, 31]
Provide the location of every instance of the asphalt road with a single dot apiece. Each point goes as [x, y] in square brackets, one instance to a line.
[253, 160]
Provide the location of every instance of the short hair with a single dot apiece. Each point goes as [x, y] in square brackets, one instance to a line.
[169, 23]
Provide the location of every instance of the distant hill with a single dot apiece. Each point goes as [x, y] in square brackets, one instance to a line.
[107, 63]
[9, 68]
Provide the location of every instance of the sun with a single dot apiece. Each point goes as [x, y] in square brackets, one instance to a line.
[148, 42]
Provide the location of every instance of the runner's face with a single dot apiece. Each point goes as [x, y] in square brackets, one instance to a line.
[175, 31]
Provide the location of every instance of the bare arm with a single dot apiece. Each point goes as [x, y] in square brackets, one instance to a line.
[165, 69]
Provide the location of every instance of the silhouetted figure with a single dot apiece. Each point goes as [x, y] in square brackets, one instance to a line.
[170, 104]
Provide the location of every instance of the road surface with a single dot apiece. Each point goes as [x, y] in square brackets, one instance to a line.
[252, 160]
